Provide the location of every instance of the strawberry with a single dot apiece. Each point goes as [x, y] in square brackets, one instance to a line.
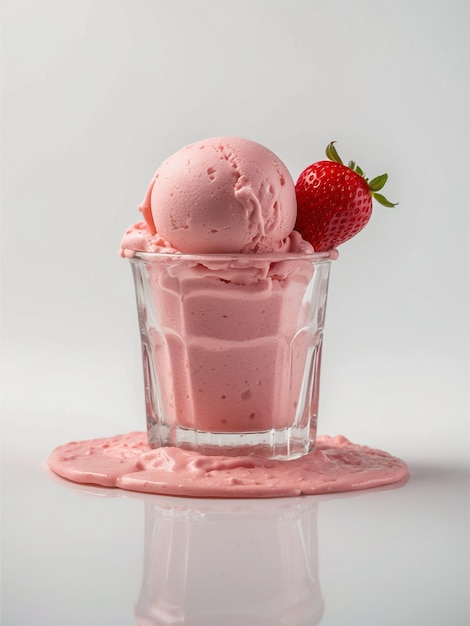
[334, 201]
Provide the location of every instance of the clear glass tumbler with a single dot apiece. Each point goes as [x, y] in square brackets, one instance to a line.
[231, 348]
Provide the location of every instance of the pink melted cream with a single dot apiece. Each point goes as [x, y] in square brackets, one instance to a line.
[127, 462]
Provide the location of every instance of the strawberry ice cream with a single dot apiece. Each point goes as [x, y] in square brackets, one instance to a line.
[228, 346]
[222, 195]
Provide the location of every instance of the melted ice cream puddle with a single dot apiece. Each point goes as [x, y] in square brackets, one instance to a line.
[127, 462]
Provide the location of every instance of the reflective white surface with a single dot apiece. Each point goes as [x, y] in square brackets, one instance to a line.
[81, 555]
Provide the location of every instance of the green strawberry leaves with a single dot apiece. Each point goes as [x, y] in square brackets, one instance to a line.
[383, 200]
[332, 154]
[375, 185]
[355, 168]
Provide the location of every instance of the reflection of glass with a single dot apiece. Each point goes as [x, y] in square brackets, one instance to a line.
[226, 564]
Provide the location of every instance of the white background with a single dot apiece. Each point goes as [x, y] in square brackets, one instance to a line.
[95, 94]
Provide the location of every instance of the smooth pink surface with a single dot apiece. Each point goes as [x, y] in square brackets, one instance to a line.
[223, 194]
[127, 462]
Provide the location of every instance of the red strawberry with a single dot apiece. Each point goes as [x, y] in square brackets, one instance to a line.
[334, 201]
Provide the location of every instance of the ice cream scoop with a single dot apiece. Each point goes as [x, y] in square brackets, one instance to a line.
[222, 195]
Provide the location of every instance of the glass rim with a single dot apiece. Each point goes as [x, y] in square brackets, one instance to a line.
[272, 257]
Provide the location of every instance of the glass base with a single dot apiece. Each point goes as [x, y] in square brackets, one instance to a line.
[285, 444]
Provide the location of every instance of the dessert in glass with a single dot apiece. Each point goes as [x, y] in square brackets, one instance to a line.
[231, 303]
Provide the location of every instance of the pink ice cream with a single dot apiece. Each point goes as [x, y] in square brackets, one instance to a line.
[236, 328]
[222, 195]
[126, 462]
[225, 342]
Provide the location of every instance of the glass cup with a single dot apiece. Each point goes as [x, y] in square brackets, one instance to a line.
[231, 348]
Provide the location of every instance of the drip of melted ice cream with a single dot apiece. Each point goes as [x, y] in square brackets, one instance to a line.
[127, 462]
